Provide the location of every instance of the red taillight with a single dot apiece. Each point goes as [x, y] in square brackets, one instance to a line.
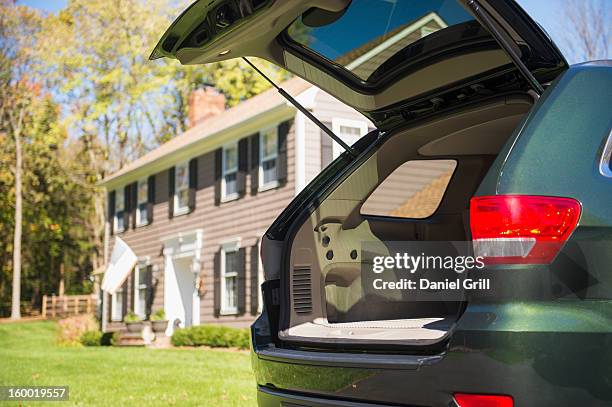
[483, 400]
[521, 229]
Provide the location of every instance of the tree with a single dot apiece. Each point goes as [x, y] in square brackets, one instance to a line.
[588, 32]
[18, 26]
[96, 58]
[79, 99]
[119, 103]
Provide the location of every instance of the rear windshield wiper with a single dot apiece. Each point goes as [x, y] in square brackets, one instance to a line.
[307, 113]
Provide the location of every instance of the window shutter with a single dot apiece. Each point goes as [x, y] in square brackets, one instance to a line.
[243, 165]
[124, 299]
[241, 283]
[126, 207]
[109, 306]
[327, 154]
[193, 183]
[150, 198]
[111, 211]
[134, 203]
[254, 269]
[150, 290]
[171, 192]
[283, 130]
[254, 163]
[218, 159]
[217, 284]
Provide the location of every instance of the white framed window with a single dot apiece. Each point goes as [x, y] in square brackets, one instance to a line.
[181, 189]
[117, 305]
[229, 277]
[142, 207]
[268, 158]
[140, 289]
[229, 172]
[349, 131]
[119, 220]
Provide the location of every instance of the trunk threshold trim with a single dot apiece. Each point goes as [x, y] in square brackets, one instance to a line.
[337, 359]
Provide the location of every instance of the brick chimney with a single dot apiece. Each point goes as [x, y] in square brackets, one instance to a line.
[205, 103]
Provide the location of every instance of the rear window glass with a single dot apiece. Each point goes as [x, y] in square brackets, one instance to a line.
[414, 190]
[372, 31]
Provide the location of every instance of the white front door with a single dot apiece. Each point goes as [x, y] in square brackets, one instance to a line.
[181, 279]
[179, 293]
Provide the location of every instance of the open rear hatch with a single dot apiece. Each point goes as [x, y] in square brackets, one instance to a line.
[446, 80]
[382, 58]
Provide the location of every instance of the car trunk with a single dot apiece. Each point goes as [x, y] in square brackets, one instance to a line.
[415, 186]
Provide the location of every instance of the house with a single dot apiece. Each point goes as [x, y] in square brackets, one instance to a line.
[194, 209]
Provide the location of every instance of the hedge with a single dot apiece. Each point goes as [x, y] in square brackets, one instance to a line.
[91, 338]
[215, 336]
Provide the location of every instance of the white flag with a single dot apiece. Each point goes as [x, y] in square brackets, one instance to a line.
[122, 261]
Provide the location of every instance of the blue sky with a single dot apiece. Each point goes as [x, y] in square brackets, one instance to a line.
[548, 13]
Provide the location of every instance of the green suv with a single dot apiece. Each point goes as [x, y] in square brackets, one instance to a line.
[484, 136]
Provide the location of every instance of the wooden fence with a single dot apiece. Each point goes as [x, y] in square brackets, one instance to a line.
[54, 306]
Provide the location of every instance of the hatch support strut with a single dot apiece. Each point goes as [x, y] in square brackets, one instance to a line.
[506, 43]
[307, 113]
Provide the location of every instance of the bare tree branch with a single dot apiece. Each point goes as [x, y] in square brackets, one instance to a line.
[588, 29]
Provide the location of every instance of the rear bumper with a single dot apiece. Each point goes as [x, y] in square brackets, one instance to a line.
[539, 355]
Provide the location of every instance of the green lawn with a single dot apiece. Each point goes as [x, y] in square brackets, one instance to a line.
[110, 376]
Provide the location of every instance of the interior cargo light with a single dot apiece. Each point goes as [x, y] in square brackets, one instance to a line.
[521, 229]
[483, 400]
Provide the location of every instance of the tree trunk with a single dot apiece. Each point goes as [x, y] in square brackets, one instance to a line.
[62, 281]
[15, 311]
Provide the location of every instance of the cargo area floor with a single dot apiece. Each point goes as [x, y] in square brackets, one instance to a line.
[420, 331]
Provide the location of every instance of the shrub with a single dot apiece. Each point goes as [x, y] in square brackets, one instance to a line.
[159, 315]
[131, 317]
[215, 336]
[71, 329]
[91, 338]
[114, 339]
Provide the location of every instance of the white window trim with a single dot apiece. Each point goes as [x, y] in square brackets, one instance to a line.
[231, 247]
[176, 210]
[116, 228]
[140, 266]
[114, 306]
[271, 184]
[224, 196]
[338, 122]
[139, 221]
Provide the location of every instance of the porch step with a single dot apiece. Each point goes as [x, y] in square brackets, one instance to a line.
[161, 341]
[131, 339]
